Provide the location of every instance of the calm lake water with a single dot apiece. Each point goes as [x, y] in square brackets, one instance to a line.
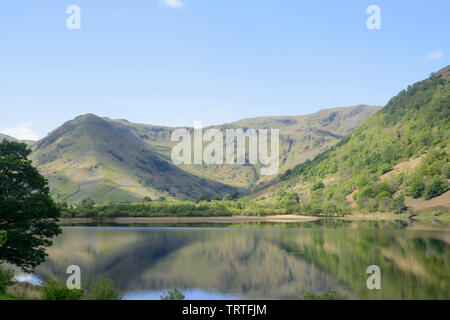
[259, 261]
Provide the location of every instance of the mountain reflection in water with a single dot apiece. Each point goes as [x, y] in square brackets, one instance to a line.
[258, 262]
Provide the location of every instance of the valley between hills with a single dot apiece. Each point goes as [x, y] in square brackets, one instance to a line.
[334, 162]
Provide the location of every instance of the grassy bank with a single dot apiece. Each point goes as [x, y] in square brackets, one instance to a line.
[21, 291]
[240, 210]
[286, 205]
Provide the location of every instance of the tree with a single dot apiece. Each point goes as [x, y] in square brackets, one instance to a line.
[6, 279]
[231, 196]
[2, 237]
[398, 204]
[416, 189]
[28, 215]
[291, 196]
[103, 288]
[87, 202]
[446, 171]
[318, 185]
[436, 188]
[147, 199]
[175, 294]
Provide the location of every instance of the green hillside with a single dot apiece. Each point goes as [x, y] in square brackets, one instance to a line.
[88, 158]
[301, 138]
[115, 161]
[355, 173]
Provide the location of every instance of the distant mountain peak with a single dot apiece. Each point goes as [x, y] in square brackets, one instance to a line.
[9, 138]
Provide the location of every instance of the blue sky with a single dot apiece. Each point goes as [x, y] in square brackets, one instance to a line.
[173, 62]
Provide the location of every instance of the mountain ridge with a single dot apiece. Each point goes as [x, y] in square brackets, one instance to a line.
[107, 160]
[301, 138]
[9, 138]
[89, 158]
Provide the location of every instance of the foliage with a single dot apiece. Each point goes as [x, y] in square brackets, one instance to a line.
[446, 171]
[103, 288]
[414, 123]
[327, 295]
[2, 237]
[325, 208]
[231, 196]
[288, 203]
[6, 278]
[55, 290]
[416, 189]
[28, 215]
[398, 204]
[436, 188]
[318, 185]
[175, 294]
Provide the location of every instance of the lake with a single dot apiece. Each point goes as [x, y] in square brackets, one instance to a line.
[258, 260]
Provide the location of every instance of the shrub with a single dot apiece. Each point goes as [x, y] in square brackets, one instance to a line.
[367, 192]
[318, 185]
[416, 189]
[385, 168]
[175, 294]
[327, 295]
[398, 204]
[383, 195]
[6, 279]
[55, 290]
[291, 196]
[446, 171]
[436, 188]
[103, 288]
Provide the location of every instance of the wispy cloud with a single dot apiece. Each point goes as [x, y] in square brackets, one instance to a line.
[172, 3]
[435, 55]
[22, 132]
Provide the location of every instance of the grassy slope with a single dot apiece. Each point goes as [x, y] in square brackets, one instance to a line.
[414, 123]
[118, 161]
[88, 157]
[301, 138]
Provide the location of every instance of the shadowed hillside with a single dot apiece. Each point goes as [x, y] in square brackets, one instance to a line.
[301, 138]
[114, 161]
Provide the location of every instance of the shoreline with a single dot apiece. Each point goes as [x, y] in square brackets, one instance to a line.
[224, 219]
[242, 219]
